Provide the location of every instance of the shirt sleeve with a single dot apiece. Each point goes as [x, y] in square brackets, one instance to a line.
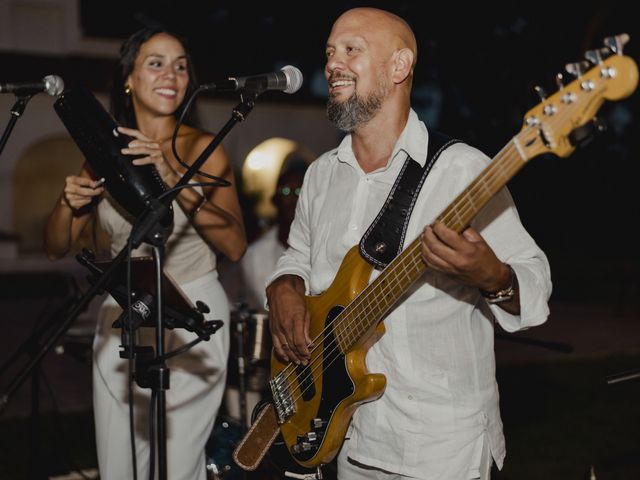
[499, 224]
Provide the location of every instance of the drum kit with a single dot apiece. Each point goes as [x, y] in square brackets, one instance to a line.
[247, 385]
[246, 393]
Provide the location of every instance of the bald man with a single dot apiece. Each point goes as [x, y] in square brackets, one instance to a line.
[438, 417]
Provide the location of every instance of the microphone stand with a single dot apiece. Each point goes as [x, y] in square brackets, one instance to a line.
[16, 112]
[148, 229]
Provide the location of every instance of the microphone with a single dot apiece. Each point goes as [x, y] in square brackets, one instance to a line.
[288, 80]
[51, 84]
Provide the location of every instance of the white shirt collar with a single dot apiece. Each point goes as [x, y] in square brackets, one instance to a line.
[412, 141]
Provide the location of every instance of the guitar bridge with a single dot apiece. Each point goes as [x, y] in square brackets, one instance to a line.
[284, 403]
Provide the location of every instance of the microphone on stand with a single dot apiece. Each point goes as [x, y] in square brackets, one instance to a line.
[288, 80]
[51, 84]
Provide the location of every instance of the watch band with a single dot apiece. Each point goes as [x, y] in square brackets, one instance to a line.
[504, 294]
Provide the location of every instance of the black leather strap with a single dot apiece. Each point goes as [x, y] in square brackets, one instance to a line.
[384, 238]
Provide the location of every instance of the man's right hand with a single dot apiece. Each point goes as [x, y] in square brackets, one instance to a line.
[289, 319]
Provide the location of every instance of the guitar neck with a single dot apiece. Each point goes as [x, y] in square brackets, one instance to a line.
[375, 301]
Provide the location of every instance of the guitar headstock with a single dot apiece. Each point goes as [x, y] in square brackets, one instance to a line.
[548, 126]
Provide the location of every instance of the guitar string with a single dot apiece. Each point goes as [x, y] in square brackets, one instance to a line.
[343, 320]
[471, 191]
[414, 244]
[494, 164]
[465, 196]
[346, 318]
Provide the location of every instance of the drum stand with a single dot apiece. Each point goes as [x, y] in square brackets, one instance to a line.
[242, 385]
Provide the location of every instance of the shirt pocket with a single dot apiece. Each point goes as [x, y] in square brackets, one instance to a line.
[431, 406]
[320, 253]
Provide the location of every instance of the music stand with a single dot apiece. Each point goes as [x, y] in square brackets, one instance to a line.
[178, 310]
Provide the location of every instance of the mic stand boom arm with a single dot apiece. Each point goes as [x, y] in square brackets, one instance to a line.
[148, 228]
[16, 112]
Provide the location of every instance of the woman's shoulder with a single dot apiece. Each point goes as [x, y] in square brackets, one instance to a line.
[190, 139]
[193, 135]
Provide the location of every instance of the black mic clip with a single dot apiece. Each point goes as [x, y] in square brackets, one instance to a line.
[149, 228]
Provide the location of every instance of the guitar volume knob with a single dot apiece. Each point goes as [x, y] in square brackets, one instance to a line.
[317, 423]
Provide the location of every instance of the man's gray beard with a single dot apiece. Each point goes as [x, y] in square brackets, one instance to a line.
[355, 111]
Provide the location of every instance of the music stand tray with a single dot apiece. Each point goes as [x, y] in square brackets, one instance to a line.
[178, 310]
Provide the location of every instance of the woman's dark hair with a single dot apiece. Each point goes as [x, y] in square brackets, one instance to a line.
[121, 103]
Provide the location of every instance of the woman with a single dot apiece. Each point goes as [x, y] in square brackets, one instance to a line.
[153, 78]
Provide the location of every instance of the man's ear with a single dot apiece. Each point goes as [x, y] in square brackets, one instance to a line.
[402, 65]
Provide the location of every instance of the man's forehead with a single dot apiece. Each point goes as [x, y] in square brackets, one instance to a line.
[345, 37]
[373, 26]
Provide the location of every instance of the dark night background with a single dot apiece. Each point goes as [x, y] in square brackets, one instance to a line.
[477, 67]
[478, 64]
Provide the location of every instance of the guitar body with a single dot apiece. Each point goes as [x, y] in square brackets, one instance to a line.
[327, 397]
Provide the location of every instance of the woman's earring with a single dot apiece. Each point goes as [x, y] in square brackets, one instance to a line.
[127, 90]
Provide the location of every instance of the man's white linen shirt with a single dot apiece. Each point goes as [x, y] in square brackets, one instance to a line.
[440, 405]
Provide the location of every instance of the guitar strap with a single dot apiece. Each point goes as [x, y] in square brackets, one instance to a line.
[384, 238]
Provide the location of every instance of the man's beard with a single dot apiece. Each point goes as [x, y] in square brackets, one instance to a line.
[355, 111]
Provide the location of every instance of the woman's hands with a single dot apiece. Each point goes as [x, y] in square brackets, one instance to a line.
[143, 145]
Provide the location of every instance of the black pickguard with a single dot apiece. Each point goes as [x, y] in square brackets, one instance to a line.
[336, 382]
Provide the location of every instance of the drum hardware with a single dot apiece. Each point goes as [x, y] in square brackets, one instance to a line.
[249, 357]
[240, 327]
[247, 381]
[317, 475]
[248, 368]
[219, 448]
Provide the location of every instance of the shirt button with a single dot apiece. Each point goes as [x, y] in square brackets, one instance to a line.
[410, 397]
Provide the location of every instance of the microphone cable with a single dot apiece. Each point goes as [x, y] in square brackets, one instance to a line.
[221, 182]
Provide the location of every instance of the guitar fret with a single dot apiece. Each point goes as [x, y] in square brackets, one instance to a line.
[380, 296]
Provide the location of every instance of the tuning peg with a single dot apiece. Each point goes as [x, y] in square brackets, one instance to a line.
[559, 83]
[577, 69]
[541, 93]
[616, 43]
[595, 56]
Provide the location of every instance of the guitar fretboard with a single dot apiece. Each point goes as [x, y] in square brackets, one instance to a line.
[377, 299]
